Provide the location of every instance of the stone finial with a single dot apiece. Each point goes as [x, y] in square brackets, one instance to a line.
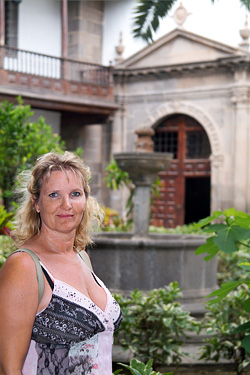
[245, 33]
[144, 141]
[180, 15]
[119, 49]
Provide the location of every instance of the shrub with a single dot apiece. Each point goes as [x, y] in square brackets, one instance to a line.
[220, 323]
[155, 325]
[139, 368]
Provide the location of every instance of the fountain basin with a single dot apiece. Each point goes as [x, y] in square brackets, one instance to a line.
[126, 263]
[143, 167]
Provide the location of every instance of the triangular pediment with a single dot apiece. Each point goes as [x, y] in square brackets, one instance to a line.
[180, 47]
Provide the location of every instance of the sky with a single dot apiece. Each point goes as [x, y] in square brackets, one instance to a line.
[220, 21]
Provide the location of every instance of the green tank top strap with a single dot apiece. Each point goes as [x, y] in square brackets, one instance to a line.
[39, 272]
[85, 259]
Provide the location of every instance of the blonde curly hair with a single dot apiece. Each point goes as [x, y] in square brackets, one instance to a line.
[27, 220]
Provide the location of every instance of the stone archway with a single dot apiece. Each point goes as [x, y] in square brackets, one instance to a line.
[170, 109]
[189, 109]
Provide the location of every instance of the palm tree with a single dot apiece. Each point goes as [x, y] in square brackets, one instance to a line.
[149, 12]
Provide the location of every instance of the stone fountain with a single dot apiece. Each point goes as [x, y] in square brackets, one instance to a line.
[143, 167]
[139, 260]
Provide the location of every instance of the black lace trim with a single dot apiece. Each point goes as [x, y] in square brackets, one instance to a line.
[118, 322]
[64, 322]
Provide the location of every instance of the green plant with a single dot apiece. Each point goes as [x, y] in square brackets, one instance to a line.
[117, 178]
[113, 222]
[7, 246]
[229, 234]
[180, 229]
[21, 142]
[228, 266]
[148, 14]
[139, 368]
[219, 323]
[155, 325]
[5, 224]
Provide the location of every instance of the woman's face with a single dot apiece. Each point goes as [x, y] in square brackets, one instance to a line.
[62, 202]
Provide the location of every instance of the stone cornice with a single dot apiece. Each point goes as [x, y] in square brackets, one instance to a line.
[222, 65]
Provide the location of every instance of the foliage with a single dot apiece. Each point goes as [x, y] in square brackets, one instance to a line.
[179, 229]
[228, 266]
[7, 246]
[154, 324]
[220, 323]
[149, 12]
[5, 224]
[229, 235]
[139, 368]
[21, 142]
[117, 178]
[112, 221]
[147, 17]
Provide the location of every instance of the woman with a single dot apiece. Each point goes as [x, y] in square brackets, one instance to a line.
[70, 330]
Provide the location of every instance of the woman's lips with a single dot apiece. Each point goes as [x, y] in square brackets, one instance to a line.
[65, 216]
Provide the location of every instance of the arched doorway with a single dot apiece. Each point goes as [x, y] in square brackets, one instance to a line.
[185, 194]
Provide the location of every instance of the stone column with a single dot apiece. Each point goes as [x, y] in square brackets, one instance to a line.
[217, 202]
[2, 36]
[240, 100]
[91, 142]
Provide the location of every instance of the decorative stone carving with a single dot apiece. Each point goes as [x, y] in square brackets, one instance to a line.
[240, 96]
[180, 15]
[217, 160]
[245, 33]
[119, 49]
[144, 141]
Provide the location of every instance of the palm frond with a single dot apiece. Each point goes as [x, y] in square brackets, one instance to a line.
[147, 16]
[246, 4]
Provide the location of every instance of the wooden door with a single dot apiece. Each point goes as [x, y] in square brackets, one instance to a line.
[185, 193]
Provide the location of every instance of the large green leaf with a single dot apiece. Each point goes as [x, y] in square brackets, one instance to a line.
[227, 237]
[246, 305]
[242, 328]
[246, 343]
[209, 247]
[207, 220]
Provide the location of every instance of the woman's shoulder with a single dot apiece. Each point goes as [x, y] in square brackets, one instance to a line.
[19, 264]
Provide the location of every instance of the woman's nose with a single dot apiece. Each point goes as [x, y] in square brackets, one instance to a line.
[66, 202]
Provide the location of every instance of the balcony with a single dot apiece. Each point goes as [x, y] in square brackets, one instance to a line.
[56, 83]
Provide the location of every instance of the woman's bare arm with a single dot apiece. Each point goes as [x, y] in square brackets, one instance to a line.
[18, 306]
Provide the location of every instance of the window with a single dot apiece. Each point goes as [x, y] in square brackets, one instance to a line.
[166, 141]
[11, 23]
[197, 145]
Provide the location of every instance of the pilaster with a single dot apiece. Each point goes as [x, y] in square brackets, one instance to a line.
[240, 101]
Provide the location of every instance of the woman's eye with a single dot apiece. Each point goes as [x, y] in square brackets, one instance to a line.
[53, 195]
[76, 194]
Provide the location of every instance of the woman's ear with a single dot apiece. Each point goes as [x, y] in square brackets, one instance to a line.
[35, 203]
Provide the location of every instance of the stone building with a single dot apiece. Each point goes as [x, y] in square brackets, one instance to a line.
[51, 55]
[193, 91]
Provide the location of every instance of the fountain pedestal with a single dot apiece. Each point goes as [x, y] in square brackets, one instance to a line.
[143, 168]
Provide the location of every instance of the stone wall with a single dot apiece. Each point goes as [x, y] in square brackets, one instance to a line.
[85, 29]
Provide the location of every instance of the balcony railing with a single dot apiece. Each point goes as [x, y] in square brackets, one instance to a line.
[37, 64]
